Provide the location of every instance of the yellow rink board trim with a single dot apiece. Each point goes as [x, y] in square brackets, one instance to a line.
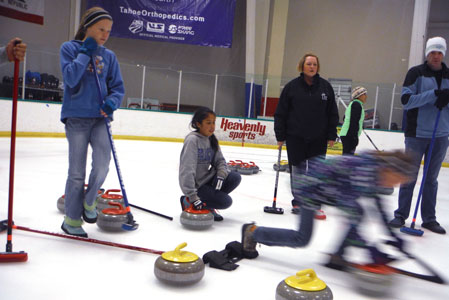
[335, 151]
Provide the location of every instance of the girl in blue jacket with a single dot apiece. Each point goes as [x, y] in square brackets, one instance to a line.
[83, 114]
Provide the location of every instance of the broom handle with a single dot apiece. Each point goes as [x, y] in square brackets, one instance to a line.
[426, 167]
[277, 176]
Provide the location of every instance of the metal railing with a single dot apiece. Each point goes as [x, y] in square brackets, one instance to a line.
[166, 88]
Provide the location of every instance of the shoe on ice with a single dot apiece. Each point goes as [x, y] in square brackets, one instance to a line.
[90, 216]
[73, 230]
[217, 216]
[90, 213]
[397, 222]
[434, 227]
[248, 242]
[184, 202]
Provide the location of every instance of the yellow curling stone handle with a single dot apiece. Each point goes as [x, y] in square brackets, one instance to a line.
[180, 256]
[306, 280]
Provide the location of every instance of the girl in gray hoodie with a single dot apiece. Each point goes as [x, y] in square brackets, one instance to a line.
[203, 174]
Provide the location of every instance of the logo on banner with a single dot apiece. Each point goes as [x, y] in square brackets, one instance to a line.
[239, 130]
[136, 26]
[185, 30]
[155, 27]
[172, 29]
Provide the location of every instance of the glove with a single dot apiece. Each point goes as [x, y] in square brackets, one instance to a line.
[89, 46]
[219, 179]
[198, 204]
[218, 183]
[442, 98]
[108, 107]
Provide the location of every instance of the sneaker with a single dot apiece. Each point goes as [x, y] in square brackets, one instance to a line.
[434, 226]
[248, 242]
[217, 216]
[397, 222]
[73, 230]
[184, 202]
[90, 216]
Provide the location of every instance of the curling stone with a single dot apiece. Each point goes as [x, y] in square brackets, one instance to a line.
[305, 285]
[179, 267]
[232, 165]
[386, 190]
[61, 201]
[372, 279]
[112, 219]
[108, 196]
[245, 169]
[282, 167]
[196, 219]
[254, 167]
[61, 204]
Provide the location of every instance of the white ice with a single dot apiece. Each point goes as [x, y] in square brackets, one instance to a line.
[59, 268]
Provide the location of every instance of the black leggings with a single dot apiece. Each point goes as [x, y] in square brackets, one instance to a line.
[349, 144]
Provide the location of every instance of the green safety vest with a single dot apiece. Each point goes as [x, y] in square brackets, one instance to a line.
[345, 127]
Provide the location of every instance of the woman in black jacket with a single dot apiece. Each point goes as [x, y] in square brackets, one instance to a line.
[306, 117]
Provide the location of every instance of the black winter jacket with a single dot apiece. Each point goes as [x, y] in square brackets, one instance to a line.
[305, 111]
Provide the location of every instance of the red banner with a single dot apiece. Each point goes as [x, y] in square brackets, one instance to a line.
[24, 10]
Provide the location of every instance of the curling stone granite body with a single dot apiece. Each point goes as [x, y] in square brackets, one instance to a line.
[112, 219]
[303, 286]
[197, 219]
[246, 169]
[61, 201]
[104, 199]
[61, 204]
[179, 267]
[374, 282]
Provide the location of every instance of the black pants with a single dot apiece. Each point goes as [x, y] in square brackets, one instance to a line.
[349, 144]
[299, 150]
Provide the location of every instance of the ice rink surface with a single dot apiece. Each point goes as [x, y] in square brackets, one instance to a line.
[59, 268]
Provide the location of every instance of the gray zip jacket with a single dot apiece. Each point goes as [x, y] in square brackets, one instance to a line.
[198, 164]
[3, 55]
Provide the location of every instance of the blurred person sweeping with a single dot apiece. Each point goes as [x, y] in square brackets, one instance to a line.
[339, 182]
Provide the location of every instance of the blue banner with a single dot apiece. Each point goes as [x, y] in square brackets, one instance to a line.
[197, 22]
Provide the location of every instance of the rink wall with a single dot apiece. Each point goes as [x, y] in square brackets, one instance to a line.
[40, 119]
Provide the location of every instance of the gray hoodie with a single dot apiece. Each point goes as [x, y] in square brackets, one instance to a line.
[198, 164]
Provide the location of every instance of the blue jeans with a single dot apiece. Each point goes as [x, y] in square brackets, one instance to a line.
[418, 147]
[288, 237]
[219, 199]
[80, 133]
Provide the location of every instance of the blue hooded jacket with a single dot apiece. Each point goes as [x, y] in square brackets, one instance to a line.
[80, 89]
[418, 99]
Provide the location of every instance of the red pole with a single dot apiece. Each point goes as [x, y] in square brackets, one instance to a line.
[89, 240]
[12, 154]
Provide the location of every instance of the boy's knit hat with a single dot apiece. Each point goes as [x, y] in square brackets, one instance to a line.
[436, 44]
[358, 91]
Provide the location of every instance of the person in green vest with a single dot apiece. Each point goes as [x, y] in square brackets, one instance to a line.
[353, 122]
